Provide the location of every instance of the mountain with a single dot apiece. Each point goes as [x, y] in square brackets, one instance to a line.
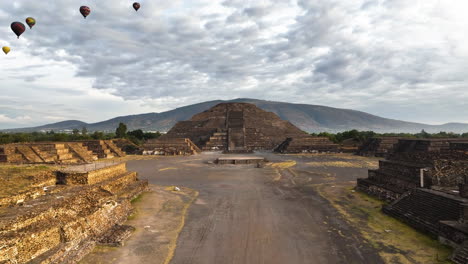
[310, 118]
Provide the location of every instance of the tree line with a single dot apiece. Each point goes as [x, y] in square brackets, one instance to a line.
[136, 136]
[362, 136]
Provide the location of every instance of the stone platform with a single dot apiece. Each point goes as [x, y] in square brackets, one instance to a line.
[87, 207]
[240, 160]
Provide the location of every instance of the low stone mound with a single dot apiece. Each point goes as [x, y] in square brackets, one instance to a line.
[66, 222]
[377, 147]
[170, 146]
[307, 144]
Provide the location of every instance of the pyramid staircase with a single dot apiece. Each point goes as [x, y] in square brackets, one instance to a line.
[217, 141]
[236, 142]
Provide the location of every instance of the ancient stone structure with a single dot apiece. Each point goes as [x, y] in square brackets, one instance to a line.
[307, 144]
[64, 223]
[170, 146]
[59, 152]
[128, 146]
[350, 145]
[239, 128]
[104, 149]
[425, 181]
[378, 147]
[47, 152]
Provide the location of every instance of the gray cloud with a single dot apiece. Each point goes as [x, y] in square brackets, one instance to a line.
[367, 54]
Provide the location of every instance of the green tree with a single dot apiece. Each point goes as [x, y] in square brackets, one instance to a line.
[121, 131]
[152, 135]
[97, 135]
[84, 131]
[137, 134]
[76, 132]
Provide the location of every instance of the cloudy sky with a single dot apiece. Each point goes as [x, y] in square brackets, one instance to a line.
[394, 58]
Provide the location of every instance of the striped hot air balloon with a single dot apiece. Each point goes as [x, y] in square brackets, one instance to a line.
[31, 22]
[85, 11]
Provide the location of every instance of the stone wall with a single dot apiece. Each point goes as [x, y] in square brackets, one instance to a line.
[378, 147]
[307, 144]
[170, 146]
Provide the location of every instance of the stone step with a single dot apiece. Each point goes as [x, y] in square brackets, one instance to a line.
[29, 154]
[424, 209]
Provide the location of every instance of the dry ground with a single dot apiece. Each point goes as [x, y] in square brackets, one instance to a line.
[298, 209]
[158, 218]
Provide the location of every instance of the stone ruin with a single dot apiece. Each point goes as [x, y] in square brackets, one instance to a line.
[350, 145]
[104, 149]
[307, 145]
[377, 147]
[59, 152]
[128, 146]
[170, 146]
[239, 128]
[425, 182]
[62, 223]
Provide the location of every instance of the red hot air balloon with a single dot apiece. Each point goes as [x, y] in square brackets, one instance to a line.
[136, 6]
[85, 11]
[18, 28]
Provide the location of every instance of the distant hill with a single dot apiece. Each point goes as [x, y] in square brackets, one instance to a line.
[310, 118]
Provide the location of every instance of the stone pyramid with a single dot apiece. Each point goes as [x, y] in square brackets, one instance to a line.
[235, 127]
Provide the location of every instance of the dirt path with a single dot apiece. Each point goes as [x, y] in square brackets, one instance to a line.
[249, 215]
[158, 219]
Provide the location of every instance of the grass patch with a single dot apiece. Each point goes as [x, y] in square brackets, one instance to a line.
[284, 165]
[344, 164]
[396, 241]
[137, 199]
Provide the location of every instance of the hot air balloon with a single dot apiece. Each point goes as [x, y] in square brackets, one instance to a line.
[136, 6]
[6, 49]
[31, 22]
[85, 11]
[18, 28]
